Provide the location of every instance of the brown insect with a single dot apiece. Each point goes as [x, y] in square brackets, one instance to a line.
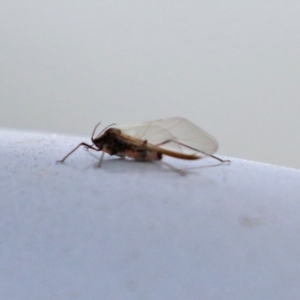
[176, 137]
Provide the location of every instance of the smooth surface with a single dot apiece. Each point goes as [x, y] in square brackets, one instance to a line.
[231, 67]
[140, 230]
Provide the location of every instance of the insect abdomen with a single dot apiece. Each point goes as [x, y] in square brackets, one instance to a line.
[142, 155]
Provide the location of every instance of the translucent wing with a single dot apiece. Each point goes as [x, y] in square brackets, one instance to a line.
[176, 134]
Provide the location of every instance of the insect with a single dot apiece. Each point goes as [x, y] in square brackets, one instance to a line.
[176, 137]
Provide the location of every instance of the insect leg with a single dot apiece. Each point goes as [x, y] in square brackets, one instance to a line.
[101, 159]
[81, 144]
[197, 150]
[180, 172]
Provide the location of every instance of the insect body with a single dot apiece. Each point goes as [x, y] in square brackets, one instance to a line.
[175, 137]
[114, 142]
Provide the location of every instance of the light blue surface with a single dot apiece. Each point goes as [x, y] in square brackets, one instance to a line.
[140, 230]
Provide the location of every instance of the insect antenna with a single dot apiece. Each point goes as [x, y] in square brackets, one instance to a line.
[92, 138]
[101, 130]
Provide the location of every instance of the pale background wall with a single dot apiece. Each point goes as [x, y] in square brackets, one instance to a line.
[232, 67]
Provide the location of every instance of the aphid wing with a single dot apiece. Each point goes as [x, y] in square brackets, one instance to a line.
[181, 133]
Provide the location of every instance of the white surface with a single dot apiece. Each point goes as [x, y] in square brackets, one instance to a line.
[141, 231]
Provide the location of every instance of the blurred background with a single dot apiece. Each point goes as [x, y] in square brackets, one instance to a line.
[231, 67]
